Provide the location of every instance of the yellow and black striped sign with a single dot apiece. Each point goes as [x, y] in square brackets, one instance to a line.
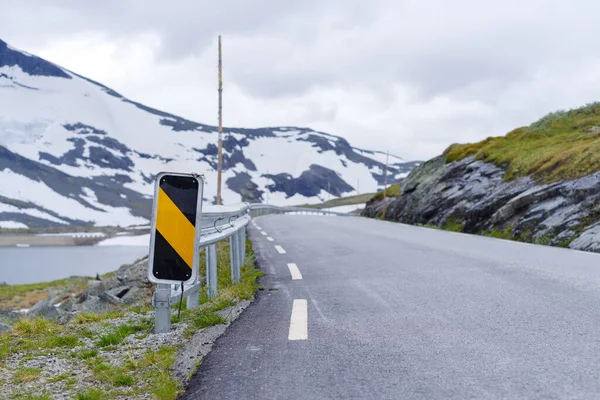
[175, 209]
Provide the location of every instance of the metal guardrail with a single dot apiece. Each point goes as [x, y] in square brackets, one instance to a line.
[217, 223]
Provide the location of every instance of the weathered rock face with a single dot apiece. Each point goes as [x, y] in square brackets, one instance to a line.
[472, 196]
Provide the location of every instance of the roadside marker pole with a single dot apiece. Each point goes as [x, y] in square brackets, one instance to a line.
[193, 299]
[162, 304]
[174, 241]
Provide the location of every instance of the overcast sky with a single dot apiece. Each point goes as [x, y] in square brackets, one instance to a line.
[411, 76]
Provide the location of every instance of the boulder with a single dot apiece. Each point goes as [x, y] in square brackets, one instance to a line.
[45, 310]
[137, 294]
[97, 304]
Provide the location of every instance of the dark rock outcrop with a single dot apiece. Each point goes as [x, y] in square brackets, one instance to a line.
[30, 64]
[129, 285]
[474, 197]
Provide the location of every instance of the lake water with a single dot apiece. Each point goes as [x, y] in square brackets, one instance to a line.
[39, 264]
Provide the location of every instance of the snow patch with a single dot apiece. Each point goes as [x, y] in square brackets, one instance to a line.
[12, 225]
[140, 240]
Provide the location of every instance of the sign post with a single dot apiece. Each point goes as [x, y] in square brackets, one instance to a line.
[174, 239]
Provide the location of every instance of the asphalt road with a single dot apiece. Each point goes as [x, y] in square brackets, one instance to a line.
[401, 312]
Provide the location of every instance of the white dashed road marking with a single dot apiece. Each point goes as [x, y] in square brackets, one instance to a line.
[294, 271]
[270, 239]
[280, 249]
[299, 320]
[263, 233]
[258, 227]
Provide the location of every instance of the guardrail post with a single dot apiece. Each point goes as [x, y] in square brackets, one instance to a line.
[193, 299]
[234, 251]
[243, 244]
[211, 270]
[162, 304]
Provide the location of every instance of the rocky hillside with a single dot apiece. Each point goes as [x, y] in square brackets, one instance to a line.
[75, 152]
[539, 183]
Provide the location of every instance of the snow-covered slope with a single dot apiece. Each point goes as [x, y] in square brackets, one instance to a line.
[73, 151]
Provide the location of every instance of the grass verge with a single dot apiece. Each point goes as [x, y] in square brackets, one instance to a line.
[109, 352]
[341, 201]
[24, 296]
[561, 145]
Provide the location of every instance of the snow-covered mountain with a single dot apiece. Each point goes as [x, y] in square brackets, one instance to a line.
[73, 151]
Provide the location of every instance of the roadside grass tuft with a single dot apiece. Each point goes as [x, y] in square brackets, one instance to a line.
[41, 396]
[5, 347]
[123, 380]
[84, 318]
[111, 374]
[36, 326]
[204, 319]
[453, 225]
[66, 341]
[25, 375]
[121, 332]
[58, 378]
[499, 234]
[86, 353]
[221, 304]
[92, 394]
[165, 387]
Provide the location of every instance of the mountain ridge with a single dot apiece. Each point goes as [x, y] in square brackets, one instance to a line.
[77, 152]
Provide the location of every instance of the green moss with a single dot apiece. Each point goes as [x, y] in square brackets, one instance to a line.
[453, 225]
[562, 145]
[391, 191]
[505, 234]
[544, 239]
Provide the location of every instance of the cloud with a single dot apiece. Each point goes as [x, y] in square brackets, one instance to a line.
[411, 76]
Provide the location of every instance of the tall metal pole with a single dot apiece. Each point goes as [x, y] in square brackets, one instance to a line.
[220, 165]
[387, 155]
